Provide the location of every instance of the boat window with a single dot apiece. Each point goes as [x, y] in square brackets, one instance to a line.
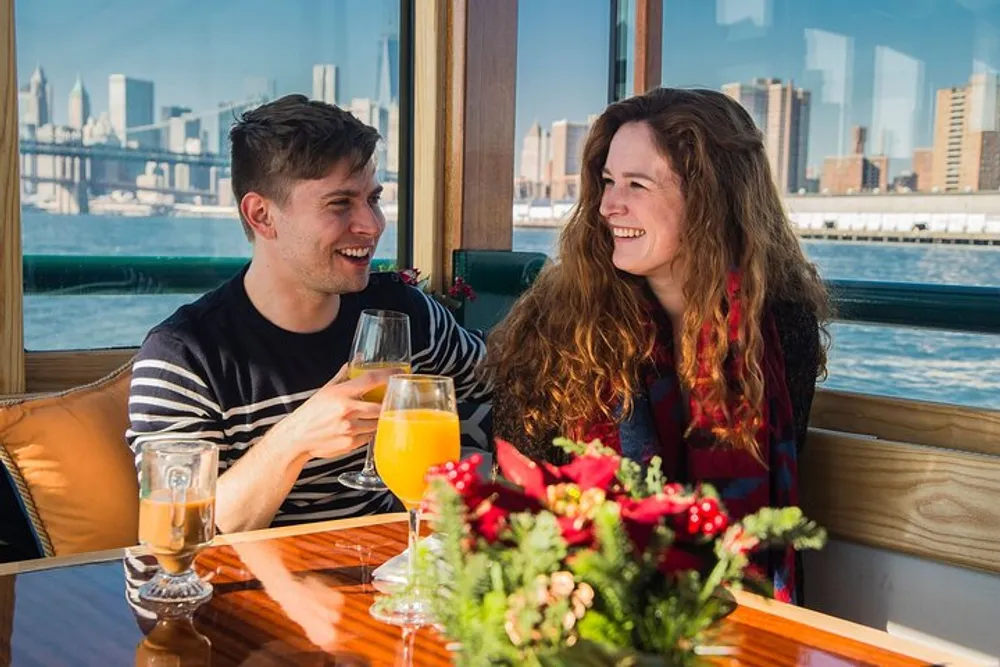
[124, 112]
[563, 55]
[881, 123]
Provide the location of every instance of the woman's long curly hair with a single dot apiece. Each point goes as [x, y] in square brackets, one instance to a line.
[580, 334]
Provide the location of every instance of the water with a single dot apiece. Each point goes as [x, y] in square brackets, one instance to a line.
[911, 363]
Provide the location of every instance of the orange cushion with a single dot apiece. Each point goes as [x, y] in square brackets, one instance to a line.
[69, 461]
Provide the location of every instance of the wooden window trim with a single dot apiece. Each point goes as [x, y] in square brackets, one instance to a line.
[648, 45]
[11, 287]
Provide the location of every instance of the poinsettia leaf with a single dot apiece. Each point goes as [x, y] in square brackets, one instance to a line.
[521, 470]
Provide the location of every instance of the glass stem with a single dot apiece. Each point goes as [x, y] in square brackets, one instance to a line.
[411, 561]
[369, 469]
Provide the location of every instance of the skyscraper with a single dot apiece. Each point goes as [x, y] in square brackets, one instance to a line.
[781, 111]
[35, 100]
[325, 84]
[130, 105]
[566, 145]
[79, 105]
[375, 115]
[966, 152]
[534, 172]
[387, 74]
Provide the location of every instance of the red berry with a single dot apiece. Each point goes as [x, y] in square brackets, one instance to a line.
[476, 459]
[460, 485]
[452, 475]
[450, 465]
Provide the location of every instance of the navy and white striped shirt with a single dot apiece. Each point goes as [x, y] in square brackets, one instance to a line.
[218, 370]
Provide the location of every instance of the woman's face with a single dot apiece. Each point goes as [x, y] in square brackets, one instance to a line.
[642, 203]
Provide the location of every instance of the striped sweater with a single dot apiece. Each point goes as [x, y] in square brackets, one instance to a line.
[217, 370]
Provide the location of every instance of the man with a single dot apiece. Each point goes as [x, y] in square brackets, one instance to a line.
[257, 365]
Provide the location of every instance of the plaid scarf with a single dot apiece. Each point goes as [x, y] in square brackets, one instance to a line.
[657, 427]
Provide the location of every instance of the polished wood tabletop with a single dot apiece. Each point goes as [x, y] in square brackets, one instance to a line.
[301, 597]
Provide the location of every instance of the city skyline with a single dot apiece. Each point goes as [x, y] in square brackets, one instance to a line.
[874, 67]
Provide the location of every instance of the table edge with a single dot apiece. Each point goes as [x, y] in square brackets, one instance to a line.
[851, 630]
[103, 556]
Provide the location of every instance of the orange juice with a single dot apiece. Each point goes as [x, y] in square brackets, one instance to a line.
[378, 393]
[408, 443]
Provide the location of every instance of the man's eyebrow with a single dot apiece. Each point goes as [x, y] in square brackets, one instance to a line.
[341, 192]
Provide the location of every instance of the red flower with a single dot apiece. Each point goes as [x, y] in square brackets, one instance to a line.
[641, 517]
[577, 531]
[410, 276]
[461, 290]
[587, 472]
[491, 505]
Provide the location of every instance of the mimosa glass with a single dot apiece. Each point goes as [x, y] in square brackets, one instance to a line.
[381, 340]
[419, 428]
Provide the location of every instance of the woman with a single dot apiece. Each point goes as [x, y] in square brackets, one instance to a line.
[682, 319]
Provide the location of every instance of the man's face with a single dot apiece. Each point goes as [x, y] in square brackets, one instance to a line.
[326, 231]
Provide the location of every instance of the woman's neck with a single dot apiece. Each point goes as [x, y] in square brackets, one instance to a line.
[669, 294]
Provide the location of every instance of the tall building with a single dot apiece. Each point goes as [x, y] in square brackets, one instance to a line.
[923, 168]
[130, 105]
[534, 176]
[566, 146]
[781, 111]
[325, 84]
[392, 141]
[387, 74]
[967, 136]
[79, 105]
[35, 100]
[371, 113]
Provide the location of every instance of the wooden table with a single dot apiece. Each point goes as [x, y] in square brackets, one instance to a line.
[300, 596]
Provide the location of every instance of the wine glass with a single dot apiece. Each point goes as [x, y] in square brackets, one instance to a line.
[382, 340]
[418, 429]
[177, 520]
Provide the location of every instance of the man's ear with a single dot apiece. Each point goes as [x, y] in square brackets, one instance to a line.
[258, 213]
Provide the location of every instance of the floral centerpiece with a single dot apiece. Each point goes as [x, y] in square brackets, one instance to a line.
[597, 562]
[452, 299]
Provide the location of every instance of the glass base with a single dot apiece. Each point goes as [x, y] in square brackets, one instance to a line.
[169, 595]
[362, 481]
[414, 612]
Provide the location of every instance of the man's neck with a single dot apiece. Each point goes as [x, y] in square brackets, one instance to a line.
[287, 305]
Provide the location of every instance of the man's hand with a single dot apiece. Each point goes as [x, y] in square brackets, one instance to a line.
[335, 421]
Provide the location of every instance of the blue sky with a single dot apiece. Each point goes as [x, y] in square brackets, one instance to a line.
[871, 62]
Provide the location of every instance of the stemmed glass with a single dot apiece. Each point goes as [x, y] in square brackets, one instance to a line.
[382, 340]
[419, 428]
[177, 520]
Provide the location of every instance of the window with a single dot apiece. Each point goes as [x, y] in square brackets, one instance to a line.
[563, 56]
[124, 111]
[909, 94]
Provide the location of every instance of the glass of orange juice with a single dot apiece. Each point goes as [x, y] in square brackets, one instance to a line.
[418, 429]
[381, 340]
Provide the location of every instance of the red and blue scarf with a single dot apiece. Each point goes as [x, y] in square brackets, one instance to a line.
[657, 426]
